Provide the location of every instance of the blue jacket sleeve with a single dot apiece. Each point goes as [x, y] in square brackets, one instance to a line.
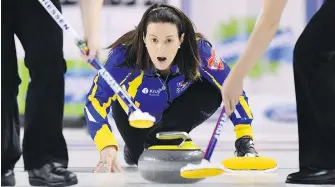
[100, 98]
[214, 69]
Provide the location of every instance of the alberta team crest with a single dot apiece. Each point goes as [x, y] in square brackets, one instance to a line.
[215, 62]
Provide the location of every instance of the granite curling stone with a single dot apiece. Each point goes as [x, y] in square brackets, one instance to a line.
[162, 163]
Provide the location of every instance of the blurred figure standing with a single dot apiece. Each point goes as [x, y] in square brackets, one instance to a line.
[45, 153]
[314, 77]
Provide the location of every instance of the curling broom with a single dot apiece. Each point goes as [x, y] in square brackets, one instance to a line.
[137, 118]
[205, 168]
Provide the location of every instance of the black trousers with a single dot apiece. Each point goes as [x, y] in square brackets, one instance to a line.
[314, 75]
[185, 113]
[42, 41]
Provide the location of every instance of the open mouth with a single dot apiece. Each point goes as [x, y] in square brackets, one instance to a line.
[161, 59]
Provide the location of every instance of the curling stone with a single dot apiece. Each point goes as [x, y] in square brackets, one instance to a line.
[162, 163]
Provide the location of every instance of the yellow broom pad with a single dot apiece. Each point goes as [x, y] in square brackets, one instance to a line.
[141, 124]
[201, 173]
[203, 170]
[249, 163]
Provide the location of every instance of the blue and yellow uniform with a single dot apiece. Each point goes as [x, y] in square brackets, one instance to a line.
[152, 94]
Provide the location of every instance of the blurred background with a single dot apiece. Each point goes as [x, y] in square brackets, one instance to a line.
[226, 23]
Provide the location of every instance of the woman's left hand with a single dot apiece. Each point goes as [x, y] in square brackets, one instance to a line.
[232, 89]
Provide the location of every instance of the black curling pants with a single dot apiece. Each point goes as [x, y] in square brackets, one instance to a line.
[314, 76]
[186, 112]
[42, 41]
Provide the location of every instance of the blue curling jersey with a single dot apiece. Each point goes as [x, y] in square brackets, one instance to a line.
[149, 91]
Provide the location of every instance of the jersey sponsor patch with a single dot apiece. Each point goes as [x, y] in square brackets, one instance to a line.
[182, 86]
[214, 62]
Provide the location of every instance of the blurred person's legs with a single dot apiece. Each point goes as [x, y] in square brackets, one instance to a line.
[10, 80]
[42, 41]
[45, 151]
[314, 75]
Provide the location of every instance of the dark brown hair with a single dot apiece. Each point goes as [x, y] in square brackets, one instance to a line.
[187, 57]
